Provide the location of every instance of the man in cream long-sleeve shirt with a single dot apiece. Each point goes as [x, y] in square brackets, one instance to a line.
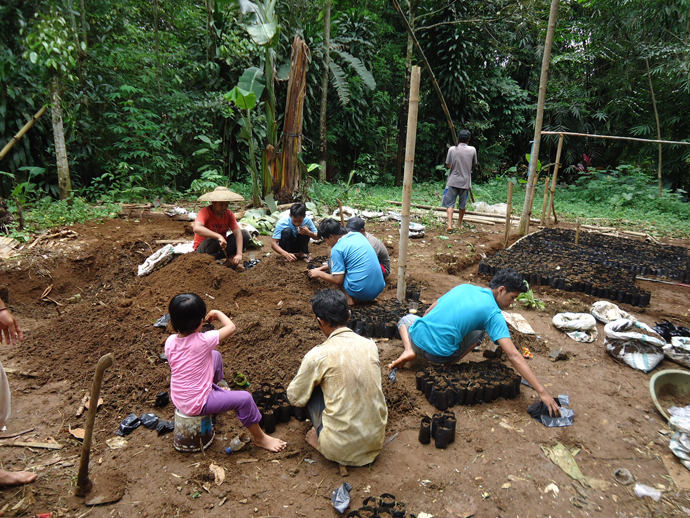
[339, 382]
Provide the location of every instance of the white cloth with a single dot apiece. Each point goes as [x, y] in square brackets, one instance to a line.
[5, 398]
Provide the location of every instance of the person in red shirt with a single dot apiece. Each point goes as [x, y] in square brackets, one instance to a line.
[211, 226]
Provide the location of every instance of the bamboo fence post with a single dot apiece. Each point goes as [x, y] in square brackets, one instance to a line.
[529, 214]
[407, 181]
[545, 202]
[21, 132]
[577, 233]
[553, 181]
[509, 208]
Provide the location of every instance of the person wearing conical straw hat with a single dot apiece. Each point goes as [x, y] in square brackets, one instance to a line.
[212, 224]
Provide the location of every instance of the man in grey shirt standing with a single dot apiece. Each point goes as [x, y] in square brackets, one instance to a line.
[357, 225]
[460, 160]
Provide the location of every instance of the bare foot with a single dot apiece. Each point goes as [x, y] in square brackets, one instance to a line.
[406, 356]
[312, 438]
[16, 478]
[266, 441]
[449, 229]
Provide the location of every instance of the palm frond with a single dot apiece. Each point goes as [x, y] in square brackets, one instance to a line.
[359, 68]
[340, 82]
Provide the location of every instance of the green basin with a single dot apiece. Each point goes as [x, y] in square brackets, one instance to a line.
[665, 386]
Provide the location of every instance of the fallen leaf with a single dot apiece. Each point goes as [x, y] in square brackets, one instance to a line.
[77, 432]
[218, 473]
[88, 400]
[506, 485]
[552, 488]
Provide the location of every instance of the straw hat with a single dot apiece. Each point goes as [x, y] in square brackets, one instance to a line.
[221, 194]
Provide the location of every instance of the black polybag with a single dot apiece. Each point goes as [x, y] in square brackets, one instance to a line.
[128, 425]
[341, 497]
[540, 412]
[164, 427]
[149, 420]
[162, 322]
[162, 399]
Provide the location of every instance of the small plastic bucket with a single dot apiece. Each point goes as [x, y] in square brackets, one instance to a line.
[192, 432]
[674, 382]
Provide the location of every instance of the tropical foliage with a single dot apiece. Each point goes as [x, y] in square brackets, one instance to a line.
[153, 104]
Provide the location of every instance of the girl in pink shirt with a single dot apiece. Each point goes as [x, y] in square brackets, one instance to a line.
[196, 368]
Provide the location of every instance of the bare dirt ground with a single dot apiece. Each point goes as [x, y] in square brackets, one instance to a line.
[496, 466]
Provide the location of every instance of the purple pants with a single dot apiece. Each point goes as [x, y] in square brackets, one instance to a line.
[220, 400]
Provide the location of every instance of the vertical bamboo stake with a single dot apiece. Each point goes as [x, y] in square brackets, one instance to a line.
[529, 214]
[523, 227]
[545, 203]
[509, 208]
[577, 233]
[407, 181]
[553, 181]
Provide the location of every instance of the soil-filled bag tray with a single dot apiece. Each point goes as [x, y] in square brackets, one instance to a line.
[601, 266]
[381, 320]
[468, 383]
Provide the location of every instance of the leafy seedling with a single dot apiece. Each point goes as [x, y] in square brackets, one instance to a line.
[528, 300]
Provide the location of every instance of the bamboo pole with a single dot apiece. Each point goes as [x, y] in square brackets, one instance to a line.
[545, 202]
[21, 132]
[553, 180]
[577, 233]
[407, 181]
[529, 214]
[508, 209]
[523, 228]
[613, 137]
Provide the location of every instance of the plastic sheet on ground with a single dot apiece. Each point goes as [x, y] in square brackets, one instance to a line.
[370, 215]
[635, 344]
[518, 322]
[348, 212]
[179, 211]
[498, 209]
[164, 256]
[680, 442]
[578, 326]
[681, 412]
[341, 497]
[605, 312]
[540, 412]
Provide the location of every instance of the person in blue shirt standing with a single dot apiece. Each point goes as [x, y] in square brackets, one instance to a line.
[354, 265]
[291, 236]
[456, 323]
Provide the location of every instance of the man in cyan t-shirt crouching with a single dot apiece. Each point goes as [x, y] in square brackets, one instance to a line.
[456, 323]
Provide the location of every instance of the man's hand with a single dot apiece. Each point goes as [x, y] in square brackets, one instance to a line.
[554, 410]
[237, 259]
[223, 242]
[304, 230]
[314, 273]
[10, 331]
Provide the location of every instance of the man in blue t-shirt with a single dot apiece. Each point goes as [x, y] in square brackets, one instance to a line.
[291, 236]
[456, 323]
[353, 265]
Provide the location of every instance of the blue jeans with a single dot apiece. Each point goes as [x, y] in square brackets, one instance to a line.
[315, 406]
[467, 343]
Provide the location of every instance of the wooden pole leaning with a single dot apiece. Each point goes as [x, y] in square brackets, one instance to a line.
[407, 181]
[509, 208]
[545, 202]
[21, 132]
[553, 182]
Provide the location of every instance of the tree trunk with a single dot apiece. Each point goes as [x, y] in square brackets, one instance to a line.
[157, 47]
[288, 180]
[82, 14]
[270, 153]
[403, 103]
[64, 182]
[658, 125]
[441, 99]
[323, 147]
[534, 157]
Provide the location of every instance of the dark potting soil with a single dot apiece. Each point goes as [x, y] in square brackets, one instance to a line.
[601, 266]
[468, 383]
[381, 320]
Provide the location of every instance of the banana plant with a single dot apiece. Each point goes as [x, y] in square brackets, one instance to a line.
[245, 96]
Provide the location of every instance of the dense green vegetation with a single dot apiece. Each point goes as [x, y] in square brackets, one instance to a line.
[142, 89]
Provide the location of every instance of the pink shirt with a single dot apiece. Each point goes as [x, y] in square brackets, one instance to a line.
[191, 365]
